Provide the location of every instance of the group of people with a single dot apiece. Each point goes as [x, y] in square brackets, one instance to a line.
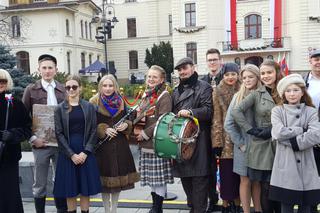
[259, 128]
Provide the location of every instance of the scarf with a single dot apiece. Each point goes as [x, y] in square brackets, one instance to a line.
[112, 103]
[192, 80]
[152, 94]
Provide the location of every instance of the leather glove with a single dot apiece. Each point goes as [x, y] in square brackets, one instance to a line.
[6, 136]
[254, 131]
[265, 133]
[217, 152]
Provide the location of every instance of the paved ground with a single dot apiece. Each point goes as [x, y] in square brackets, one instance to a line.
[135, 200]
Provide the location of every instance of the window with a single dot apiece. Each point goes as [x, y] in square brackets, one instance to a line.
[67, 27]
[192, 51]
[23, 61]
[69, 62]
[98, 57]
[90, 59]
[252, 26]
[130, 1]
[90, 31]
[170, 24]
[86, 28]
[190, 14]
[237, 60]
[13, 2]
[15, 24]
[133, 59]
[131, 27]
[83, 60]
[81, 26]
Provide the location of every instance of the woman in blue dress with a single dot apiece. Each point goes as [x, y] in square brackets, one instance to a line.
[77, 171]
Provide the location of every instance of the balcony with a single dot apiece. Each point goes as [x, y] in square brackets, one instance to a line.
[256, 45]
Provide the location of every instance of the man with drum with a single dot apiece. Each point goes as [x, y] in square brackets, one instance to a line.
[193, 97]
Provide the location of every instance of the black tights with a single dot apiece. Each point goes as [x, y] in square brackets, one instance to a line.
[267, 205]
[288, 208]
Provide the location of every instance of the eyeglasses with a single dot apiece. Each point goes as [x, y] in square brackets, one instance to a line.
[214, 60]
[3, 81]
[73, 87]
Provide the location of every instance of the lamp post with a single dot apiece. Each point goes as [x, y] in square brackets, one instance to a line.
[108, 20]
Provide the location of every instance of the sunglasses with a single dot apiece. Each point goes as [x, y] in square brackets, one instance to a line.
[73, 87]
[3, 81]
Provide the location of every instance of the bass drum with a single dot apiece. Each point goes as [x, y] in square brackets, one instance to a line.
[175, 137]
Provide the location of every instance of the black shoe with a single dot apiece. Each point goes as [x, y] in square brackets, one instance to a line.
[82, 211]
[74, 211]
[314, 209]
[225, 209]
[40, 204]
[211, 207]
[61, 205]
[159, 202]
[153, 208]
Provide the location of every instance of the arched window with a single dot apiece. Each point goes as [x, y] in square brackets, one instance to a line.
[83, 60]
[133, 59]
[23, 61]
[67, 27]
[252, 26]
[15, 25]
[192, 51]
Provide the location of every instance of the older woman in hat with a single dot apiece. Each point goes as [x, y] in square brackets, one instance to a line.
[296, 128]
[15, 127]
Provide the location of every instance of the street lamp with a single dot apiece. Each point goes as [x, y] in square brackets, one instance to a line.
[108, 21]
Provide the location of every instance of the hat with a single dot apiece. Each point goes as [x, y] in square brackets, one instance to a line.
[287, 80]
[315, 53]
[229, 67]
[183, 61]
[48, 57]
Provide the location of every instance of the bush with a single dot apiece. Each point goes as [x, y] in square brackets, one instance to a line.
[25, 146]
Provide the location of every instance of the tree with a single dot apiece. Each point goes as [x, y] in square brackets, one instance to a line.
[161, 55]
[20, 78]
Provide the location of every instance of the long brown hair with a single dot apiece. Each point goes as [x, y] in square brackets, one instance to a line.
[274, 93]
[304, 99]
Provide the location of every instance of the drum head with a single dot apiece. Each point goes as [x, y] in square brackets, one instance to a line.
[188, 149]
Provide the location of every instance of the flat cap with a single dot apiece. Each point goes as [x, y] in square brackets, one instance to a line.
[46, 57]
[315, 53]
[183, 61]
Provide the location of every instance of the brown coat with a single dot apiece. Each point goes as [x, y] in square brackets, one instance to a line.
[163, 105]
[222, 97]
[36, 94]
[114, 157]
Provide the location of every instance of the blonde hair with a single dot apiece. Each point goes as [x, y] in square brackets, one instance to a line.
[4, 74]
[159, 69]
[111, 78]
[243, 91]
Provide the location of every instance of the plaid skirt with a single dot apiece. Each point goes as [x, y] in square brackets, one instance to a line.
[154, 171]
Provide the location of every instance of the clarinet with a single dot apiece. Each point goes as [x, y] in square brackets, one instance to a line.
[108, 138]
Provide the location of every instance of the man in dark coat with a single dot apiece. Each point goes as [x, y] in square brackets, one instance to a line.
[312, 80]
[214, 76]
[194, 97]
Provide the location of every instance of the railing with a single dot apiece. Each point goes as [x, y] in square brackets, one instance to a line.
[255, 44]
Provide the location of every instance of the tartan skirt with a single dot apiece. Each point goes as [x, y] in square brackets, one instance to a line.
[154, 171]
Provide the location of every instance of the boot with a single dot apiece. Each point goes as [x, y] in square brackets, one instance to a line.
[82, 211]
[40, 204]
[314, 209]
[225, 209]
[211, 206]
[153, 208]
[234, 208]
[61, 205]
[159, 202]
[74, 211]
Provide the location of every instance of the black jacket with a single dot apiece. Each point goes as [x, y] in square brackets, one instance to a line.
[61, 119]
[198, 99]
[19, 124]
[207, 78]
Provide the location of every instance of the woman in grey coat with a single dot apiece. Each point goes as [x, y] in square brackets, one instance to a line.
[250, 81]
[262, 148]
[296, 128]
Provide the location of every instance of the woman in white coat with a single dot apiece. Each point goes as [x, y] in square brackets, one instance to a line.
[296, 128]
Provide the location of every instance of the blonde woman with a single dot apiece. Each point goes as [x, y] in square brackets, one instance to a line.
[250, 77]
[115, 160]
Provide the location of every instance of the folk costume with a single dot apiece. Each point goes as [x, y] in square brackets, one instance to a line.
[114, 157]
[155, 172]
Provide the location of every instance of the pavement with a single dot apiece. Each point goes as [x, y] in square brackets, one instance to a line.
[135, 200]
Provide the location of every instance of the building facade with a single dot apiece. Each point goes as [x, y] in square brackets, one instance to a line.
[245, 31]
